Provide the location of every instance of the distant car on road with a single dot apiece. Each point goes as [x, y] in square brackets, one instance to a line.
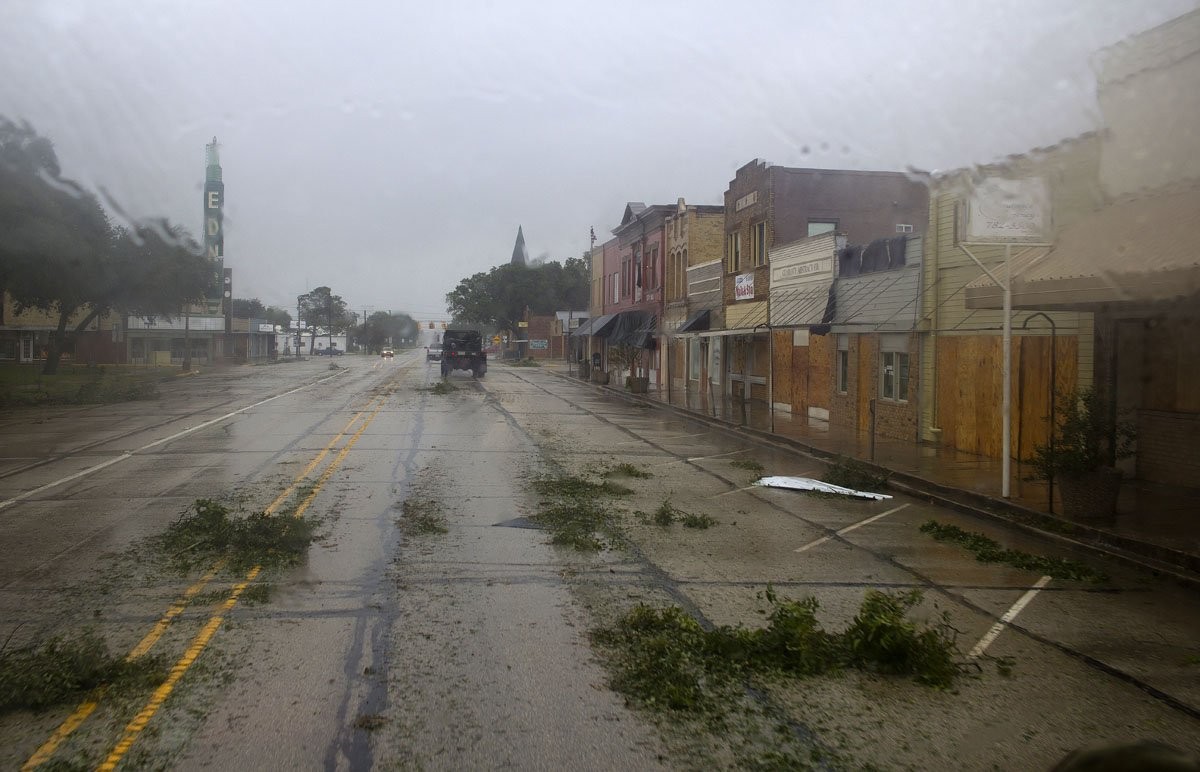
[433, 353]
[387, 351]
[329, 352]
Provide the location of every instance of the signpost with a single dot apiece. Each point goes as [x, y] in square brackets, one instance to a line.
[1003, 212]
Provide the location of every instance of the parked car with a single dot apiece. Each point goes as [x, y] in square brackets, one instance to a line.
[387, 351]
[329, 352]
[433, 353]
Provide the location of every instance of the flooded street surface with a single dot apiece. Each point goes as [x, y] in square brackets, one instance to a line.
[432, 626]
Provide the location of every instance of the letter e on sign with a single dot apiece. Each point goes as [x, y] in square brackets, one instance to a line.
[214, 201]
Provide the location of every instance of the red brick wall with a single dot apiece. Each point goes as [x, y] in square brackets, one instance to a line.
[540, 328]
[851, 411]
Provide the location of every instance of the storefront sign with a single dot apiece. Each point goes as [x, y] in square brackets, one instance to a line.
[543, 344]
[1004, 210]
[743, 287]
[750, 199]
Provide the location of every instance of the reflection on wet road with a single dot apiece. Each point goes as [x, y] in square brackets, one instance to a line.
[431, 627]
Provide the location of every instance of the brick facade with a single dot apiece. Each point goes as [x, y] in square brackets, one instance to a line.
[540, 328]
[896, 419]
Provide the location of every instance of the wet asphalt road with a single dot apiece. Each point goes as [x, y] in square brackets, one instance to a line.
[468, 649]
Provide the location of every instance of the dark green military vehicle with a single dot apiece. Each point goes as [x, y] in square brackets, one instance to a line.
[463, 350]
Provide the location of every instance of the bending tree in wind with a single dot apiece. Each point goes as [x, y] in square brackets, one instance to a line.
[60, 254]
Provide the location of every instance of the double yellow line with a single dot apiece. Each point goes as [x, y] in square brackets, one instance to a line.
[202, 639]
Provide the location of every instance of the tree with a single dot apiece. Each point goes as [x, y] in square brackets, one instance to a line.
[278, 316]
[321, 307]
[382, 328]
[500, 296]
[60, 254]
[248, 308]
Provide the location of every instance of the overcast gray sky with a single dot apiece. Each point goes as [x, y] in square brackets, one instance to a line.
[389, 149]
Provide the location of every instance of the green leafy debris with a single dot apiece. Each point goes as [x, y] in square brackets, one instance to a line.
[61, 670]
[849, 473]
[571, 487]
[749, 464]
[212, 532]
[664, 660]
[576, 512]
[699, 522]
[440, 388]
[422, 517]
[626, 469]
[988, 550]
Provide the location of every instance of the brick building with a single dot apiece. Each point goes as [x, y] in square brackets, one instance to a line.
[767, 205]
[694, 237]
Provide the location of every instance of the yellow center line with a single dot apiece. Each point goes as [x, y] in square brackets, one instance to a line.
[72, 722]
[199, 643]
[87, 707]
[142, 719]
[274, 505]
[337, 462]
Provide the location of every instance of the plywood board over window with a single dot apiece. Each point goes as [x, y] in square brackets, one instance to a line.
[970, 390]
[820, 363]
[781, 367]
[867, 369]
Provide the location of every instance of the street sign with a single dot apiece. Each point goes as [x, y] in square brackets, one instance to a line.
[539, 344]
[495, 339]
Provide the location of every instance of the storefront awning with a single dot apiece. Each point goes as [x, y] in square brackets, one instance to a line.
[583, 330]
[1141, 249]
[599, 325]
[696, 322]
[801, 307]
[635, 328]
[742, 331]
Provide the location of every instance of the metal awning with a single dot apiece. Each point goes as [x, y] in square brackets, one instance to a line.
[1139, 249]
[802, 306]
[632, 327]
[743, 331]
[599, 325]
[583, 329]
[696, 322]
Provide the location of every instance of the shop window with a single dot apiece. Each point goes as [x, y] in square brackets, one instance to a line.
[894, 376]
[759, 247]
[733, 252]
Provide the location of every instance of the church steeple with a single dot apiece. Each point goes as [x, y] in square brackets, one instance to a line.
[520, 255]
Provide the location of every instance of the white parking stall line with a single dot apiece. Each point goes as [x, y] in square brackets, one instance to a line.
[129, 453]
[849, 528]
[1008, 617]
[720, 455]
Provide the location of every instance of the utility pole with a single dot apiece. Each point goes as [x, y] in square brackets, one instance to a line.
[187, 339]
[366, 332]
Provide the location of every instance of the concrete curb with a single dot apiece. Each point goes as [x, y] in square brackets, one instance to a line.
[1183, 567]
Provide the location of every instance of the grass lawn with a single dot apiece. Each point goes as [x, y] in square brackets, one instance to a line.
[24, 384]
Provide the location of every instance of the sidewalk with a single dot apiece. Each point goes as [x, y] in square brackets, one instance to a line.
[1156, 525]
